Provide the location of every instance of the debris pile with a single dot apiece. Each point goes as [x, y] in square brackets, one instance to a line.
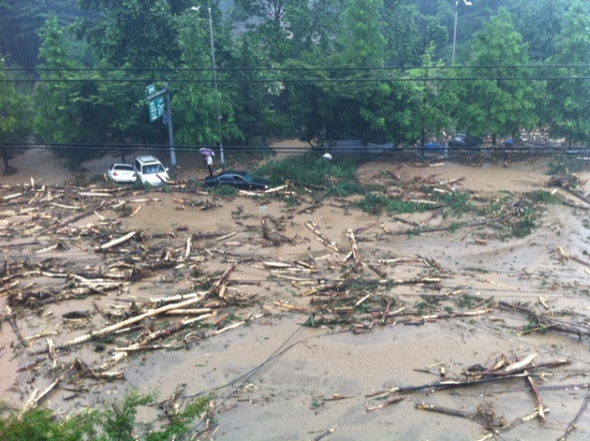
[72, 266]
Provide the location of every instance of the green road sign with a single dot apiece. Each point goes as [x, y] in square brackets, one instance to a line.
[157, 106]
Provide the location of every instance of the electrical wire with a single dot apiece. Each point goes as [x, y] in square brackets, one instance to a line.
[244, 378]
[297, 80]
[292, 69]
[186, 148]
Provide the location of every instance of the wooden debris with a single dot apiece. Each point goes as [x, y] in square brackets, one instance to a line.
[544, 322]
[444, 410]
[574, 423]
[324, 434]
[36, 397]
[292, 307]
[521, 371]
[540, 407]
[564, 257]
[151, 313]
[385, 404]
[354, 248]
[321, 236]
[116, 242]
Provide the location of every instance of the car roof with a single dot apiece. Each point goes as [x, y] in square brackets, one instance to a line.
[147, 158]
[234, 172]
[119, 164]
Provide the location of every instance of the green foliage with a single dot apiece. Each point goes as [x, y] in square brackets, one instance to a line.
[529, 17]
[545, 197]
[457, 202]
[568, 106]
[14, 124]
[373, 204]
[297, 69]
[224, 191]
[116, 424]
[363, 41]
[377, 204]
[137, 33]
[42, 425]
[346, 188]
[81, 107]
[308, 169]
[499, 107]
[203, 105]
[523, 227]
[566, 164]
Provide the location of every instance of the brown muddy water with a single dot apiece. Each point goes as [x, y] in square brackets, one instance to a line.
[275, 379]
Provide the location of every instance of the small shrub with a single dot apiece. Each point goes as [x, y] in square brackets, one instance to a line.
[346, 188]
[396, 206]
[116, 424]
[565, 164]
[308, 169]
[225, 191]
[545, 197]
[524, 227]
[292, 201]
[194, 185]
[457, 202]
[41, 425]
[138, 185]
[373, 204]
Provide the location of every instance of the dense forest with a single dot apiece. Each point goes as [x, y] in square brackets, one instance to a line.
[73, 73]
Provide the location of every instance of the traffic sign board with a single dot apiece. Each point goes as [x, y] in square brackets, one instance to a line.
[156, 106]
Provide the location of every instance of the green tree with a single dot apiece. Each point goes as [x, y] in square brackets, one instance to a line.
[286, 28]
[363, 41]
[254, 93]
[55, 121]
[493, 104]
[79, 112]
[539, 22]
[136, 33]
[199, 103]
[330, 106]
[15, 117]
[428, 99]
[409, 33]
[20, 22]
[569, 104]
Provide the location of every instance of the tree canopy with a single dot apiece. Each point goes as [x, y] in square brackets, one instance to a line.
[241, 72]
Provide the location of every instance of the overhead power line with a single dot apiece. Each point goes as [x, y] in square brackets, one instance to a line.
[298, 80]
[293, 69]
[18, 147]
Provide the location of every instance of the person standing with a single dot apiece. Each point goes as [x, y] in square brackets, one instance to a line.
[209, 162]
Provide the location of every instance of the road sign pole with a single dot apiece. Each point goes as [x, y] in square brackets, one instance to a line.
[170, 129]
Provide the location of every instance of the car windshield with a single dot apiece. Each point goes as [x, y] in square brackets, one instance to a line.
[153, 168]
[247, 177]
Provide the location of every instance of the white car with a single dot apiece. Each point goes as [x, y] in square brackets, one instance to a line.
[150, 170]
[122, 173]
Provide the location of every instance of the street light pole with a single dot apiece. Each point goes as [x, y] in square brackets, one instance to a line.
[467, 3]
[221, 156]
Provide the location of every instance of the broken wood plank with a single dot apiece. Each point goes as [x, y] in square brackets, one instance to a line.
[321, 236]
[444, 410]
[116, 242]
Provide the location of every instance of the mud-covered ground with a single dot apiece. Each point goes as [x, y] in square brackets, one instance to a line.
[270, 376]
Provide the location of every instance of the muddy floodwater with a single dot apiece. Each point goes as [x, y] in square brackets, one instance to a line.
[276, 367]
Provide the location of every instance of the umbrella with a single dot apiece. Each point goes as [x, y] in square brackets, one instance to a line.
[206, 152]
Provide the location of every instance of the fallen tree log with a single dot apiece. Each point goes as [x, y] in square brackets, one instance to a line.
[151, 313]
[452, 384]
[116, 242]
[420, 230]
